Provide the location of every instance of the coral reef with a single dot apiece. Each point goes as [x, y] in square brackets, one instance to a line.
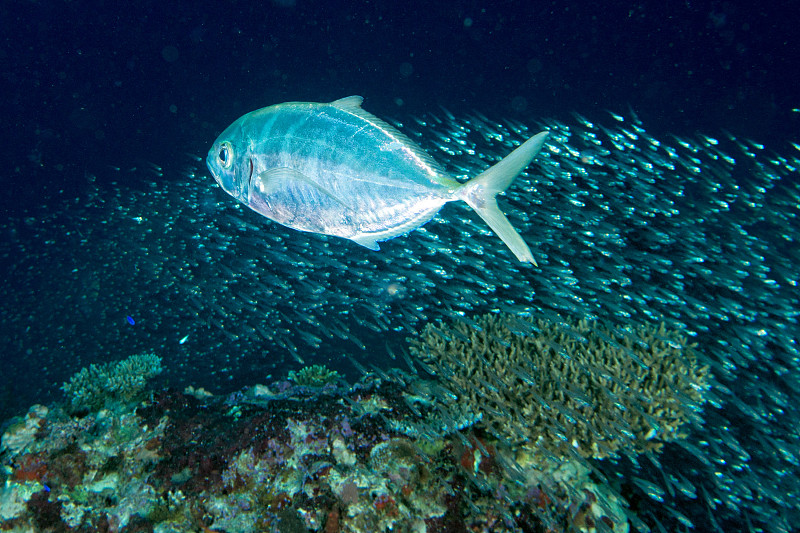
[287, 461]
[558, 386]
[314, 376]
[22, 432]
[505, 438]
[93, 387]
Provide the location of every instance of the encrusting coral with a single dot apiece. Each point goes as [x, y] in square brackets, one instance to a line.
[582, 385]
[121, 380]
[327, 459]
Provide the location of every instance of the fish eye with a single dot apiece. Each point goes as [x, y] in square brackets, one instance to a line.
[225, 155]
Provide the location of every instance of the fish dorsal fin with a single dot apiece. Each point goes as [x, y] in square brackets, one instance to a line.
[352, 104]
[349, 102]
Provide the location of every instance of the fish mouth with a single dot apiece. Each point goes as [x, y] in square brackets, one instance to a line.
[215, 171]
[210, 165]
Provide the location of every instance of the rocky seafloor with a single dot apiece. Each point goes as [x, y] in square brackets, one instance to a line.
[285, 457]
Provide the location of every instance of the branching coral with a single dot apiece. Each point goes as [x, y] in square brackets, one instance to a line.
[580, 385]
[122, 381]
[314, 376]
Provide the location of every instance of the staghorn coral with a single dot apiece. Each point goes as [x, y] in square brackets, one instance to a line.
[551, 386]
[93, 387]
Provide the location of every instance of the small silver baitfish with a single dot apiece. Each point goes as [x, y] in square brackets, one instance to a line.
[337, 170]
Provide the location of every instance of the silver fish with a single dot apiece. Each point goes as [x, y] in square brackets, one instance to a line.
[336, 169]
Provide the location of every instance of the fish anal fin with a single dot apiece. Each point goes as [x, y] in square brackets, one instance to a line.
[367, 242]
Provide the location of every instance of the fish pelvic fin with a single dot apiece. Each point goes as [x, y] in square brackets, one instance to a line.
[480, 192]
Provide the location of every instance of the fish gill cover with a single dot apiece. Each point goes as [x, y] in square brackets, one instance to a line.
[630, 231]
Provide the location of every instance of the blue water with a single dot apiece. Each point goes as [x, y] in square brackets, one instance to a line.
[115, 242]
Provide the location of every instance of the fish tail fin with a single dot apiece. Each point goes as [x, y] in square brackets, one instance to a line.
[480, 192]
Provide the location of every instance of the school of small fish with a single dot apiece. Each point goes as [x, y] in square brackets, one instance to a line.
[699, 232]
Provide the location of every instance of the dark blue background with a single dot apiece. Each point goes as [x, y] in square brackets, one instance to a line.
[87, 85]
[91, 86]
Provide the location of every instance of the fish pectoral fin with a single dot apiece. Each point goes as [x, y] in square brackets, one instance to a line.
[291, 181]
[367, 242]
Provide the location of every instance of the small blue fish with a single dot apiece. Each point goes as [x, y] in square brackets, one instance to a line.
[338, 170]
